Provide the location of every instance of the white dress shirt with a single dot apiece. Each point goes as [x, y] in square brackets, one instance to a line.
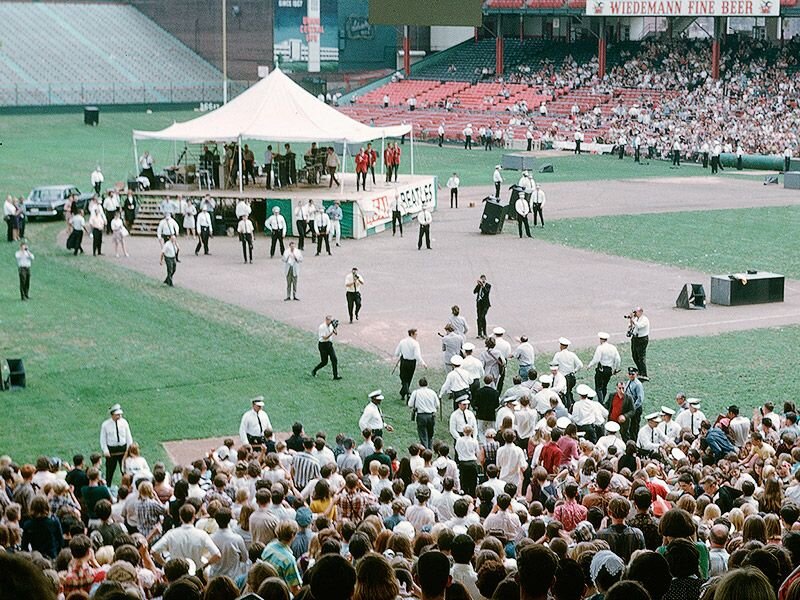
[424, 400]
[524, 354]
[115, 433]
[254, 424]
[242, 208]
[460, 419]
[605, 442]
[690, 420]
[568, 362]
[324, 332]
[24, 258]
[276, 223]
[525, 421]
[739, 430]
[559, 385]
[497, 177]
[425, 217]
[503, 347]
[453, 183]
[671, 429]
[510, 459]
[457, 380]
[353, 284]
[371, 418]
[467, 448]
[589, 412]
[322, 221]
[606, 355]
[203, 219]
[641, 326]
[291, 261]
[167, 226]
[408, 348]
[650, 439]
[474, 367]
[189, 542]
[97, 177]
[245, 226]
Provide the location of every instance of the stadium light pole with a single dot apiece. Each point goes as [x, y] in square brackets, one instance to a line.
[224, 51]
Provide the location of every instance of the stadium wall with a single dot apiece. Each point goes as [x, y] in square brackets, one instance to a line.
[198, 24]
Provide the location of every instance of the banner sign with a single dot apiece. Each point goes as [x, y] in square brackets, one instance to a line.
[683, 8]
[358, 28]
[377, 211]
[305, 34]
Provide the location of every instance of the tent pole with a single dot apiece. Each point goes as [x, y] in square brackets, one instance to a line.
[344, 167]
[412, 149]
[383, 149]
[135, 158]
[241, 179]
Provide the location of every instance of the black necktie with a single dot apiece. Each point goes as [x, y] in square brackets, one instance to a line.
[258, 418]
[693, 423]
[653, 436]
[116, 424]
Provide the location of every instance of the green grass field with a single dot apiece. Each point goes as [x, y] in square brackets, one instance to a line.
[717, 241]
[184, 365]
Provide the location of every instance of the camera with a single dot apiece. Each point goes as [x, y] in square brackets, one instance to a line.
[627, 317]
[335, 323]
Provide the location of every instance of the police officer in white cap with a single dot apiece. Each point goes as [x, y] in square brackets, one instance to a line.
[372, 417]
[497, 178]
[650, 437]
[115, 439]
[611, 438]
[457, 382]
[670, 428]
[559, 381]
[542, 400]
[254, 423]
[691, 419]
[606, 361]
[462, 417]
[587, 413]
[523, 209]
[472, 365]
[504, 348]
[568, 365]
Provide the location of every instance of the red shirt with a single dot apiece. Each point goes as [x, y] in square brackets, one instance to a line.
[373, 156]
[570, 513]
[387, 156]
[551, 457]
[616, 407]
[396, 152]
[362, 161]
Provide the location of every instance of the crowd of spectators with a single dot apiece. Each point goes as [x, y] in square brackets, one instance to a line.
[712, 513]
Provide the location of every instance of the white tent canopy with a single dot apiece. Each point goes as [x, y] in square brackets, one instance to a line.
[274, 109]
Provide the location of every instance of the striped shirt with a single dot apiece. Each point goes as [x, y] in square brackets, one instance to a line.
[148, 515]
[281, 557]
[304, 468]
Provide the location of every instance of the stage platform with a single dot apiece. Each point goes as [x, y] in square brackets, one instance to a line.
[363, 212]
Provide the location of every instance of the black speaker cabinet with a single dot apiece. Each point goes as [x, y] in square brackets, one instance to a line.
[91, 115]
[493, 216]
[16, 373]
[546, 168]
[692, 297]
[747, 288]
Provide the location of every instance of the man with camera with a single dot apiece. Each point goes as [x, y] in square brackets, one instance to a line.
[639, 332]
[24, 259]
[353, 283]
[326, 331]
[482, 301]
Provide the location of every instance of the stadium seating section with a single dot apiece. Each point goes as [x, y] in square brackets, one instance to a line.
[95, 53]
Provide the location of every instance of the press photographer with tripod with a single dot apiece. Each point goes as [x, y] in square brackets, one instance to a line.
[326, 331]
[639, 332]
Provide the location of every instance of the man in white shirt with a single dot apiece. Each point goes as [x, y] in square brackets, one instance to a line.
[457, 382]
[472, 365]
[424, 218]
[441, 134]
[203, 231]
[169, 255]
[467, 137]
[424, 404]
[568, 365]
[787, 158]
[578, 141]
[691, 419]
[97, 179]
[243, 208]
[325, 333]
[460, 418]
[650, 437]
[245, 230]
[386, 101]
[407, 354]
[115, 438]
[322, 223]
[398, 210]
[739, 426]
[588, 414]
[452, 185]
[511, 460]
[559, 385]
[622, 141]
[110, 208]
[10, 217]
[611, 438]
[353, 282]
[24, 260]
[187, 541]
[372, 417]
[529, 137]
[639, 325]
[522, 209]
[606, 361]
[254, 423]
[670, 428]
[167, 227]
[334, 212]
[537, 202]
[291, 267]
[497, 178]
[524, 356]
[276, 225]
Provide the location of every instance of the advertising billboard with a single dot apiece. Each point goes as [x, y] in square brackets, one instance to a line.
[306, 35]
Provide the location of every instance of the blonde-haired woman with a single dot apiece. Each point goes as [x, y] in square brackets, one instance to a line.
[135, 464]
[118, 234]
[149, 510]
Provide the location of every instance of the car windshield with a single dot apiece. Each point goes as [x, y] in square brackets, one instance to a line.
[47, 195]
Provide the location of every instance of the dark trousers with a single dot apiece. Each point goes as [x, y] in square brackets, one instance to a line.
[496, 189]
[97, 241]
[590, 431]
[395, 169]
[705, 160]
[787, 164]
[326, 352]
[639, 354]
[78, 240]
[388, 173]
[109, 217]
[407, 368]
[277, 238]
[398, 219]
[10, 222]
[714, 164]
[97, 187]
[268, 173]
[24, 282]
[247, 244]
[249, 171]
[114, 461]
[172, 264]
[636, 154]
[425, 426]
[530, 144]
[651, 152]
[482, 310]
[602, 375]
[577, 146]
[353, 302]
[468, 473]
[205, 232]
[738, 163]
[634, 425]
[568, 397]
[621, 152]
[332, 173]
[441, 140]
[300, 224]
[424, 230]
[676, 158]
[361, 181]
[311, 231]
[468, 142]
[523, 220]
[372, 172]
[453, 197]
[322, 236]
[536, 208]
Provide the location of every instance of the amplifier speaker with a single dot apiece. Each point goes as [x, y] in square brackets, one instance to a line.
[493, 216]
[692, 297]
[791, 180]
[16, 373]
[546, 168]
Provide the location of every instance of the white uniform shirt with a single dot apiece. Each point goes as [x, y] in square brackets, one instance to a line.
[324, 332]
[605, 442]
[524, 354]
[589, 412]
[409, 349]
[690, 420]
[559, 385]
[541, 401]
[568, 362]
[425, 217]
[538, 197]
[253, 423]
[497, 177]
[97, 177]
[277, 223]
[371, 418]
[322, 221]
[460, 419]
[474, 367]
[424, 400]
[671, 429]
[457, 380]
[9, 209]
[242, 208]
[353, 284]
[606, 355]
[441, 129]
[115, 433]
[203, 220]
[453, 182]
[503, 347]
[650, 439]
[245, 226]
[522, 207]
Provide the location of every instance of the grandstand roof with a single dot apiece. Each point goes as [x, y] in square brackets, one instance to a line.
[275, 108]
